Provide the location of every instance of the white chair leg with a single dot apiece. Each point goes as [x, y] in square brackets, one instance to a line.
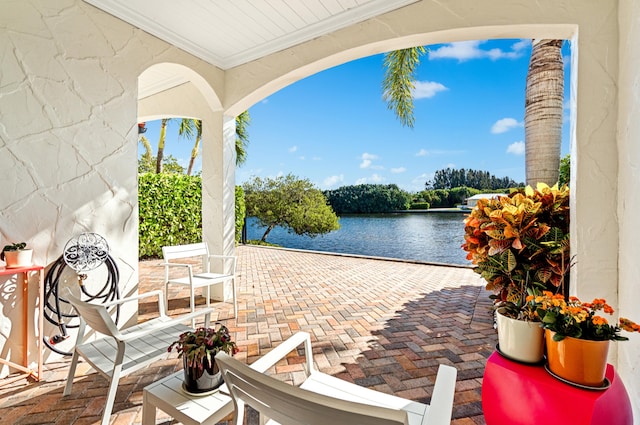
[239, 413]
[71, 374]
[166, 296]
[235, 298]
[111, 395]
[192, 301]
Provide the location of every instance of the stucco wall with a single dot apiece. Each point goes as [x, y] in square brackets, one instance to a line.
[629, 198]
[68, 135]
[68, 115]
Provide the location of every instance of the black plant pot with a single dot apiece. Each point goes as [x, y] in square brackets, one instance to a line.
[201, 380]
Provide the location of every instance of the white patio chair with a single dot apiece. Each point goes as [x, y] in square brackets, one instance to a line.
[323, 399]
[120, 352]
[226, 271]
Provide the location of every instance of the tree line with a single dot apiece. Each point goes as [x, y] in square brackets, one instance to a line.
[368, 199]
[449, 178]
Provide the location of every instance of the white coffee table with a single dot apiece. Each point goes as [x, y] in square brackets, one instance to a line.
[167, 395]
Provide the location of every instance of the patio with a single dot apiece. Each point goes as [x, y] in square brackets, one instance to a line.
[381, 324]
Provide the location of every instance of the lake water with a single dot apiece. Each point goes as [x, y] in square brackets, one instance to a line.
[430, 237]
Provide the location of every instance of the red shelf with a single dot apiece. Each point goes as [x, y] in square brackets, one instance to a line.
[519, 394]
[24, 272]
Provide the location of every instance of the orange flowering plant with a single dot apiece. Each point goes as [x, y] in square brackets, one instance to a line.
[520, 244]
[579, 320]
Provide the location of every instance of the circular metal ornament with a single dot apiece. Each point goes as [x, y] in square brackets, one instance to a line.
[86, 252]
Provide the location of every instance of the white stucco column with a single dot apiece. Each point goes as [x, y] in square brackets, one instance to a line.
[629, 198]
[218, 188]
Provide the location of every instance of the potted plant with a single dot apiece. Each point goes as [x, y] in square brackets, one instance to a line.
[578, 338]
[520, 246]
[198, 349]
[17, 255]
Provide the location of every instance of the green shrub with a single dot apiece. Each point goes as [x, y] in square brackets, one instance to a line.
[170, 210]
[240, 212]
[420, 206]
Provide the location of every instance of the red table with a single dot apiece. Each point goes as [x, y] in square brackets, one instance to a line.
[519, 394]
[24, 272]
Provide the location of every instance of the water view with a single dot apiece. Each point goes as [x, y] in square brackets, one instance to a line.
[431, 237]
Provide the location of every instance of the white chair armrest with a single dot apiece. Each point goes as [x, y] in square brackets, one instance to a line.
[441, 403]
[158, 293]
[142, 295]
[280, 352]
[169, 323]
[189, 266]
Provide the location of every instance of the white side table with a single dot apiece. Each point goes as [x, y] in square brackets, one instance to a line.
[168, 396]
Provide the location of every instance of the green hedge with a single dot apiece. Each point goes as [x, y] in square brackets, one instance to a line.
[170, 210]
[240, 212]
[420, 206]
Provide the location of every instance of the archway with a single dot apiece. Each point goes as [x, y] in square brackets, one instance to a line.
[171, 90]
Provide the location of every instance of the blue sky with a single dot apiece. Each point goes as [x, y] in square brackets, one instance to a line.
[334, 127]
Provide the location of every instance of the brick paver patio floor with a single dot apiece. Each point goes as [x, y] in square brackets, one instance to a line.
[382, 324]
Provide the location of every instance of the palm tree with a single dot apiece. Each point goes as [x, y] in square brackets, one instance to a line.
[399, 82]
[145, 164]
[242, 137]
[543, 112]
[161, 139]
[543, 103]
[188, 127]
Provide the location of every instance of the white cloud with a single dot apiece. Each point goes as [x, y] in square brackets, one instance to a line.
[516, 148]
[504, 125]
[332, 181]
[317, 158]
[418, 182]
[467, 50]
[521, 45]
[427, 89]
[292, 149]
[424, 152]
[301, 158]
[375, 178]
[367, 159]
[398, 170]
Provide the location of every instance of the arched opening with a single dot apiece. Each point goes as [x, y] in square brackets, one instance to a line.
[174, 91]
[462, 121]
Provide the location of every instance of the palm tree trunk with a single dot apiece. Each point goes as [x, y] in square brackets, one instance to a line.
[163, 134]
[194, 153]
[543, 112]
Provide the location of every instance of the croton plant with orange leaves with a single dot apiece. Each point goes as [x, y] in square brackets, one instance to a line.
[520, 243]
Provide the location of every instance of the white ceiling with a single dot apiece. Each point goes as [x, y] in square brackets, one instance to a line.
[228, 33]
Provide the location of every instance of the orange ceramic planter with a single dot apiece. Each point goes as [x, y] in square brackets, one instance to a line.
[580, 361]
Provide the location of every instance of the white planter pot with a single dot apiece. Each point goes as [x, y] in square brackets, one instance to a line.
[519, 340]
[21, 258]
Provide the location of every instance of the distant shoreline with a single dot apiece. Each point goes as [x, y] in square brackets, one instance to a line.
[434, 210]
